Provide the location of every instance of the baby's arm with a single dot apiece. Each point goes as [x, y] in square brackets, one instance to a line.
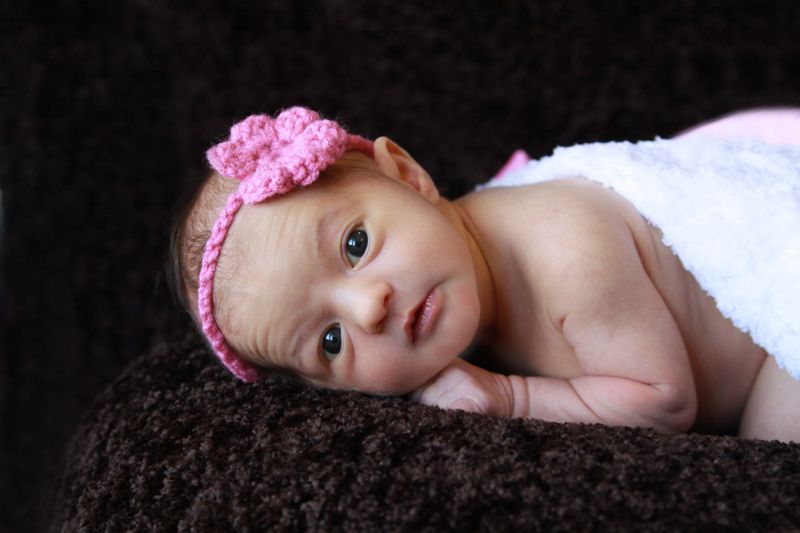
[636, 369]
[467, 387]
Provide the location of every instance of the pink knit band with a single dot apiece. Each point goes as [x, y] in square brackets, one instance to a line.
[270, 157]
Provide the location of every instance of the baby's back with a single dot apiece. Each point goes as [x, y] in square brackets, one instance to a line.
[530, 239]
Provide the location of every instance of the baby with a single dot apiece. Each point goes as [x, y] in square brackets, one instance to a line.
[322, 255]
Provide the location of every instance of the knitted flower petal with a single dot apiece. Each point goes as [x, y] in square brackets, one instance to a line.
[291, 122]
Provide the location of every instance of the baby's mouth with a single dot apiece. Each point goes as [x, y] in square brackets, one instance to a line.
[422, 318]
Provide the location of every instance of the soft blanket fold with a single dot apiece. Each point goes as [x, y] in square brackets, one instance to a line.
[729, 209]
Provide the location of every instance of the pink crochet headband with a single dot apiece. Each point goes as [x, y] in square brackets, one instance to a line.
[269, 156]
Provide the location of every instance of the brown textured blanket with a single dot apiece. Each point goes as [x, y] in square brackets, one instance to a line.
[176, 443]
[107, 108]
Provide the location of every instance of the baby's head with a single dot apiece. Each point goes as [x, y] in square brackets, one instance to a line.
[326, 256]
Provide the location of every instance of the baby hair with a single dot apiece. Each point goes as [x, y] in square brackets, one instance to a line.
[191, 229]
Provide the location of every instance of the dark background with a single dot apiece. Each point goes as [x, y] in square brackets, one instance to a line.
[107, 109]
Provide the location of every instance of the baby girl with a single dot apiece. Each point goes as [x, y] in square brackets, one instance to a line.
[319, 254]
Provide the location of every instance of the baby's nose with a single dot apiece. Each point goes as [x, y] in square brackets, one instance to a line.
[370, 305]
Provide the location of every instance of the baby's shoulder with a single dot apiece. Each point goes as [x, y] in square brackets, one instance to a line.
[553, 212]
[569, 227]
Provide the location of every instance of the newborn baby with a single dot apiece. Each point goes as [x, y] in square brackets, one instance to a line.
[322, 255]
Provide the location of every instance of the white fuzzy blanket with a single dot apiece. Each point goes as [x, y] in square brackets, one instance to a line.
[730, 210]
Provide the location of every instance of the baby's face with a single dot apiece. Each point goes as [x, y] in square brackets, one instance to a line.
[365, 284]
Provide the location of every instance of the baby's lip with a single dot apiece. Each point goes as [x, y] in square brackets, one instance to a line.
[413, 315]
[408, 323]
[411, 318]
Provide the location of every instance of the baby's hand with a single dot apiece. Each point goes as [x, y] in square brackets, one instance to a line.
[469, 388]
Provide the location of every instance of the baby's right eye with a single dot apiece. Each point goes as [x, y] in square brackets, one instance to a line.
[356, 245]
[332, 342]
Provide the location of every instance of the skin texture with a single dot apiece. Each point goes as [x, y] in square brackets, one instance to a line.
[595, 320]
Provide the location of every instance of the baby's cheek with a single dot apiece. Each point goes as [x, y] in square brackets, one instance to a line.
[462, 319]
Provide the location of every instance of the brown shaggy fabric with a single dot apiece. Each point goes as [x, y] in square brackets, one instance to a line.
[107, 108]
[175, 443]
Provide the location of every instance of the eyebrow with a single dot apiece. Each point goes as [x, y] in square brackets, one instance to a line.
[296, 343]
[324, 224]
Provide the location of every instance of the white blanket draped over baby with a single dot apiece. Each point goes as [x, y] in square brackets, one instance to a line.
[729, 209]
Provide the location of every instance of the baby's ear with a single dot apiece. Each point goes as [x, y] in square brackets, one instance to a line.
[396, 163]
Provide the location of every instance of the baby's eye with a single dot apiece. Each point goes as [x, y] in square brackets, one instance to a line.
[332, 342]
[356, 245]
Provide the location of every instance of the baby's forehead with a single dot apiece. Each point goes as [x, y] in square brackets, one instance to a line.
[268, 240]
[301, 211]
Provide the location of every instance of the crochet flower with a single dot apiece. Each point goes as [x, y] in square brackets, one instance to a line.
[272, 156]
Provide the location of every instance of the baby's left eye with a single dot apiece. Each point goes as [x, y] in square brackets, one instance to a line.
[356, 245]
[332, 342]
